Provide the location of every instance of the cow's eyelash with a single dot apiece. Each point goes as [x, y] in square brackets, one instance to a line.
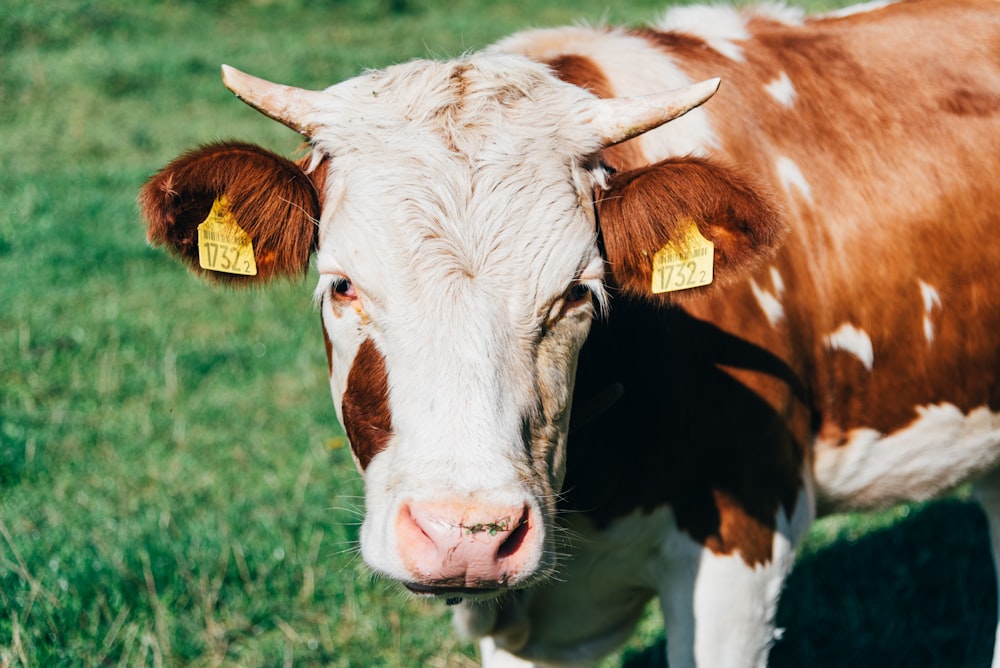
[330, 285]
[335, 286]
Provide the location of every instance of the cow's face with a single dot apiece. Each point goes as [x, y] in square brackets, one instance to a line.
[459, 273]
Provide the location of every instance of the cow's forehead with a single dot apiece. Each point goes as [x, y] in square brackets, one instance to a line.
[477, 169]
[466, 106]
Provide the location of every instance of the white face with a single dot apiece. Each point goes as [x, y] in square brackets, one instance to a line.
[459, 277]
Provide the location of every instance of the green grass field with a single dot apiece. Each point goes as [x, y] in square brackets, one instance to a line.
[174, 488]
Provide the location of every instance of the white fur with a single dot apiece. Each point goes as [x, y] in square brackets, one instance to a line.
[860, 8]
[853, 341]
[446, 289]
[735, 604]
[778, 11]
[782, 90]
[721, 27]
[492, 657]
[770, 302]
[940, 449]
[598, 596]
[777, 281]
[791, 177]
[731, 623]
[931, 300]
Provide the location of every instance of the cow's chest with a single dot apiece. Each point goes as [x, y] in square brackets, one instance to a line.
[598, 594]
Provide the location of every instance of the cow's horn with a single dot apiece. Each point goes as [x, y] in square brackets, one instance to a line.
[621, 118]
[288, 105]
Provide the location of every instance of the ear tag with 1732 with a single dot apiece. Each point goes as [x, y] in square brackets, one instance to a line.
[222, 243]
[684, 263]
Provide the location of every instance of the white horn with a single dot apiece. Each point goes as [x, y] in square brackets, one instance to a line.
[286, 104]
[619, 118]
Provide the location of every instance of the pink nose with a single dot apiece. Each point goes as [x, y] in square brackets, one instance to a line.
[453, 545]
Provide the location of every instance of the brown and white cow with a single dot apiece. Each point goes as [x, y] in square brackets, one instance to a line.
[493, 234]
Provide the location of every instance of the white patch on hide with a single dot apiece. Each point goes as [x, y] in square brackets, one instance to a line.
[779, 284]
[856, 9]
[782, 90]
[791, 177]
[854, 341]
[734, 603]
[719, 26]
[940, 449]
[780, 12]
[769, 302]
[932, 300]
[492, 657]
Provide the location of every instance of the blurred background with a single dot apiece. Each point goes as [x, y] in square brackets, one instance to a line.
[174, 487]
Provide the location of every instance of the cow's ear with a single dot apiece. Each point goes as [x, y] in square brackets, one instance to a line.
[654, 209]
[256, 200]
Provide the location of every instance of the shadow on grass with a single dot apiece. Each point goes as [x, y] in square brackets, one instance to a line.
[919, 593]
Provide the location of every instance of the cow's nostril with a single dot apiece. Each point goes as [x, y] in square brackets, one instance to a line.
[516, 538]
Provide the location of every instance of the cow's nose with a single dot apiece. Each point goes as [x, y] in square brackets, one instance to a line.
[453, 545]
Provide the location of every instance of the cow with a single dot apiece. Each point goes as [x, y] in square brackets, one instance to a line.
[593, 341]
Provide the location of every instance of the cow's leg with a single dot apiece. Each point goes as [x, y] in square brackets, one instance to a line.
[987, 492]
[497, 658]
[719, 609]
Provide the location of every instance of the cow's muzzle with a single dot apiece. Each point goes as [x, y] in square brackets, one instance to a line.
[456, 550]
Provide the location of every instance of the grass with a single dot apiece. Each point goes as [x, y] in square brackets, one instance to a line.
[174, 489]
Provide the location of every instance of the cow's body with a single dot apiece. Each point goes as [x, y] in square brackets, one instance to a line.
[851, 365]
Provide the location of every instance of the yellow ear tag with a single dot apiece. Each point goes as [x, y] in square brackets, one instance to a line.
[222, 243]
[685, 263]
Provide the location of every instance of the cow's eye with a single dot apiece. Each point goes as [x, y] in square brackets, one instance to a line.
[343, 289]
[579, 293]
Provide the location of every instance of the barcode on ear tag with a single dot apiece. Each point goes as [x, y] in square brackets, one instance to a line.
[684, 263]
[222, 243]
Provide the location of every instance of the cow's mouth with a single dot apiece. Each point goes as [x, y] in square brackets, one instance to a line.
[453, 595]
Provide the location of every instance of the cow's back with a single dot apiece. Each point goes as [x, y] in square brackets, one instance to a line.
[878, 132]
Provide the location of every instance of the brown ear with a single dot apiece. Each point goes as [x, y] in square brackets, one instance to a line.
[269, 197]
[645, 209]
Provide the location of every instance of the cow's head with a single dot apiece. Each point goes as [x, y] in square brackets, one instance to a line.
[452, 208]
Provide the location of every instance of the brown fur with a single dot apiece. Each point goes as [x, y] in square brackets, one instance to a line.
[901, 157]
[365, 408]
[894, 128]
[271, 198]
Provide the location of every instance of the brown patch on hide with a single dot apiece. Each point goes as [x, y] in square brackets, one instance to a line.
[735, 530]
[966, 102]
[328, 344]
[450, 114]
[367, 420]
[270, 197]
